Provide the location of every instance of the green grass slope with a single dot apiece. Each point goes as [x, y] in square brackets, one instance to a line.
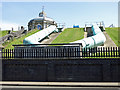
[3, 33]
[113, 33]
[8, 45]
[70, 35]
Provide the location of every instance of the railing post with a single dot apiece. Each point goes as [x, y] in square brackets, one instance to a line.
[12, 53]
[81, 53]
[96, 52]
[1, 48]
[111, 52]
[106, 51]
[119, 51]
[99, 52]
[103, 51]
[6, 53]
[91, 52]
[116, 51]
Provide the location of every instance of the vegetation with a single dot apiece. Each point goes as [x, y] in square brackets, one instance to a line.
[70, 35]
[3, 33]
[18, 40]
[113, 33]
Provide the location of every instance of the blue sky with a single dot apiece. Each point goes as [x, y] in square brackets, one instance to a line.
[62, 12]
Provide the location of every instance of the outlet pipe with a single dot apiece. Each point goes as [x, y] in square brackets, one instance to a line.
[97, 39]
[35, 38]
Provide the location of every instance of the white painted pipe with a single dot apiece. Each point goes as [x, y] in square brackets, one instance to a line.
[97, 39]
[35, 38]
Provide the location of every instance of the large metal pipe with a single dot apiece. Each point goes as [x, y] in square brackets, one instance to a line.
[35, 38]
[97, 39]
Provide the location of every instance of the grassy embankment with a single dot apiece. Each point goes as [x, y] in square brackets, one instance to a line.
[8, 45]
[113, 33]
[3, 33]
[73, 34]
[70, 35]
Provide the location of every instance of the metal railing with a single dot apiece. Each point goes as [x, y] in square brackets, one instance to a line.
[60, 51]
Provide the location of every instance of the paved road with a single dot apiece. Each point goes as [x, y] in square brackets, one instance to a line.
[109, 42]
[56, 88]
[59, 85]
[13, 83]
[50, 39]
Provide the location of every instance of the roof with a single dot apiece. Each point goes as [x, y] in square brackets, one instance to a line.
[41, 19]
[42, 14]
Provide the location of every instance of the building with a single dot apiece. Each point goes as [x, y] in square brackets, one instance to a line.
[41, 22]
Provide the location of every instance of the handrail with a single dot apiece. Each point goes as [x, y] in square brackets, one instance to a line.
[48, 44]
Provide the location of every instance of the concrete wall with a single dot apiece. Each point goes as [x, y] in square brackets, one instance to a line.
[71, 70]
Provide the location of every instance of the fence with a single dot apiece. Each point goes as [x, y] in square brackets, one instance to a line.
[74, 51]
[67, 63]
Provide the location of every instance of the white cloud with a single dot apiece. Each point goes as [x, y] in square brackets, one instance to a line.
[9, 26]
